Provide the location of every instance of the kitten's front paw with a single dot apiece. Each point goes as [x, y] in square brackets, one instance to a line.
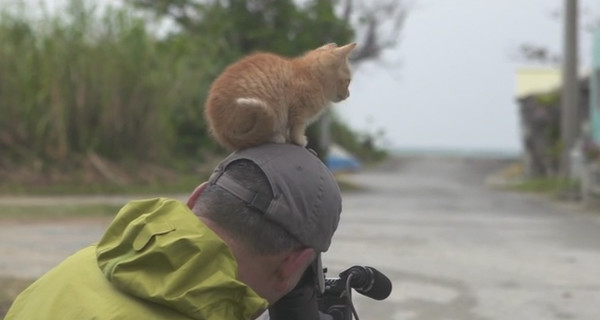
[300, 140]
[278, 138]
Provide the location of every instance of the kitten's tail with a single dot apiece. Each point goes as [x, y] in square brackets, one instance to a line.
[253, 123]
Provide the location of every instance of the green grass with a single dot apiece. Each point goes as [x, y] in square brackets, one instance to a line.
[45, 211]
[181, 184]
[545, 185]
[348, 186]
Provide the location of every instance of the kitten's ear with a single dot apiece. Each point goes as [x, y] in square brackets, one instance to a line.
[345, 50]
[328, 46]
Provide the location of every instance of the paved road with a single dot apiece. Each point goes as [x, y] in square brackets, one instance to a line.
[454, 249]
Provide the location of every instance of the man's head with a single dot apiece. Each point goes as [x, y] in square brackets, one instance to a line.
[277, 206]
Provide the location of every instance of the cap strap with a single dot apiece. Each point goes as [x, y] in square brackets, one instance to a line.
[253, 199]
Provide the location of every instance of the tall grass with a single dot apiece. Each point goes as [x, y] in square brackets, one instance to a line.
[83, 81]
[80, 81]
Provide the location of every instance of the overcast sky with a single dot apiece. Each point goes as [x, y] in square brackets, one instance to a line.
[454, 87]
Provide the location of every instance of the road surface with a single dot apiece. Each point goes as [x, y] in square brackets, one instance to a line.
[454, 249]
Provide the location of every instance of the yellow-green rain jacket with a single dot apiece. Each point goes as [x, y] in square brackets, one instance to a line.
[156, 261]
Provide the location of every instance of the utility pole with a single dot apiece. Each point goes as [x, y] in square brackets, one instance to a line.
[570, 88]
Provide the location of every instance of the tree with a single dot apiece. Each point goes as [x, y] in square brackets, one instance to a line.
[285, 27]
[279, 26]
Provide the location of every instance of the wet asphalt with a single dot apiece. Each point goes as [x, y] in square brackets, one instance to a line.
[456, 249]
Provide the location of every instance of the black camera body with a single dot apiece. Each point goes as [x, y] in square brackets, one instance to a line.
[316, 297]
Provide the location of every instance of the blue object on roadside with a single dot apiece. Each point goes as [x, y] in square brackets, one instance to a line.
[339, 160]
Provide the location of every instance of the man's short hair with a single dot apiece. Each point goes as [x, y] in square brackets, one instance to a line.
[246, 224]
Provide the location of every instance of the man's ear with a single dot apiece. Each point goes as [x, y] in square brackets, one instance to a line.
[292, 268]
[196, 194]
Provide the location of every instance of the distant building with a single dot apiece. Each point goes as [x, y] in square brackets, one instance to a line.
[537, 80]
[538, 93]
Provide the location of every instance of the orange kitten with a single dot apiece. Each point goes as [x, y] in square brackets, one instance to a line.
[265, 97]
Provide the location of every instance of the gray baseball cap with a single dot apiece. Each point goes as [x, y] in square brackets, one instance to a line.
[306, 198]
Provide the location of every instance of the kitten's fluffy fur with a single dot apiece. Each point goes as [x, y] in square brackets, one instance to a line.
[265, 97]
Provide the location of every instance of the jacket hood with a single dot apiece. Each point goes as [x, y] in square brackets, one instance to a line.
[159, 251]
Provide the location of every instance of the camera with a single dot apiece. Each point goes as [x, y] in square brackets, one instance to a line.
[319, 298]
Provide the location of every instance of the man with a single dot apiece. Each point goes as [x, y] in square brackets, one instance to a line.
[242, 242]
